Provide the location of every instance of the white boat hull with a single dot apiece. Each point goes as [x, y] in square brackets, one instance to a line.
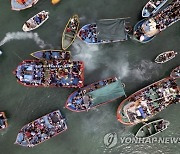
[32, 23]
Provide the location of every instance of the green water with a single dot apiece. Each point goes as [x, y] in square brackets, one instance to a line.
[130, 60]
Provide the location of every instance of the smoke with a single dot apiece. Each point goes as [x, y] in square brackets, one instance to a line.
[23, 36]
[87, 53]
[82, 18]
[145, 70]
[114, 63]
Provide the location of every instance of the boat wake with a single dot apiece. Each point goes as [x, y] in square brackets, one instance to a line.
[23, 36]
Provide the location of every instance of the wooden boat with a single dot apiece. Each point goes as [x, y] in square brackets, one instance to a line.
[41, 129]
[55, 1]
[176, 72]
[36, 73]
[146, 29]
[3, 121]
[104, 31]
[152, 7]
[95, 94]
[165, 57]
[22, 4]
[152, 128]
[36, 21]
[70, 32]
[147, 102]
[52, 55]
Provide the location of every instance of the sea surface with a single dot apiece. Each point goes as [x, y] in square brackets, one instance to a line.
[131, 61]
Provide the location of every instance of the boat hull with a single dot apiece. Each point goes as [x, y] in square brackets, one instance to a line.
[3, 121]
[146, 29]
[123, 110]
[175, 73]
[18, 7]
[146, 38]
[153, 9]
[152, 128]
[41, 129]
[165, 57]
[70, 32]
[92, 40]
[31, 24]
[83, 92]
[45, 75]
[52, 55]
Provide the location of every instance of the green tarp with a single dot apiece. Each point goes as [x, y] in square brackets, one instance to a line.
[111, 29]
[107, 93]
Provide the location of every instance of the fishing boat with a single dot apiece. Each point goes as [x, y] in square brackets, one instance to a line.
[70, 32]
[36, 73]
[3, 121]
[52, 55]
[95, 94]
[152, 7]
[165, 57]
[36, 21]
[147, 102]
[176, 72]
[152, 128]
[104, 31]
[22, 4]
[146, 29]
[55, 1]
[41, 129]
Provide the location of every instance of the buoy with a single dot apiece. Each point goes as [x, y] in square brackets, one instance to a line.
[0, 52]
[55, 1]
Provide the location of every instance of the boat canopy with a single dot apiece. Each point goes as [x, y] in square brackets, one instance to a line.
[107, 93]
[111, 29]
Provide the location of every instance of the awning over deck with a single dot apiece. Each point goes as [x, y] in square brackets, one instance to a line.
[111, 29]
[107, 93]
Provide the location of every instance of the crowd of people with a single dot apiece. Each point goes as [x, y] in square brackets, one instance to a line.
[153, 4]
[72, 26]
[161, 125]
[168, 16]
[165, 57]
[2, 121]
[162, 20]
[176, 72]
[51, 73]
[38, 19]
[41, 129]
[89, 33]
[82, 100]
[56, 55]
[152, 100]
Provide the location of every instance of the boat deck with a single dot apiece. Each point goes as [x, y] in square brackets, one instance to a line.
[22, 5]
[41, 129]
[51, 73]
[88, 34]
[147, 102]
[82, 100]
